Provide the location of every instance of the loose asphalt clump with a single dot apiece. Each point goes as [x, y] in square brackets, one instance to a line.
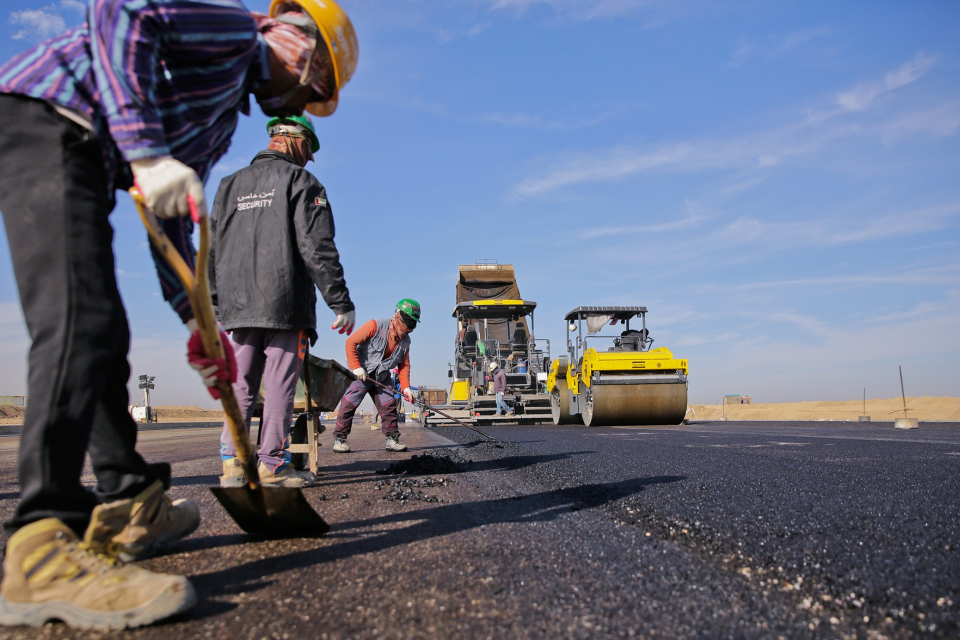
[404, 489]
[404, 495]
[421, 483]
[428, 464]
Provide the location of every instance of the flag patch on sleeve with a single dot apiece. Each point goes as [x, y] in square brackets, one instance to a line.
[322, 202]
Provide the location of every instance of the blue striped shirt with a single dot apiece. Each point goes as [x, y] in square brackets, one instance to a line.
[154, 78]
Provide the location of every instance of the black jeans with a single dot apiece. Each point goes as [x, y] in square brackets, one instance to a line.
[55, 204]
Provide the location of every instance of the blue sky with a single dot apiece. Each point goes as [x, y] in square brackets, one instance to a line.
[779, 183]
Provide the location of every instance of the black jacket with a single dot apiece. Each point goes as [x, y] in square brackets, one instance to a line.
[271, 241]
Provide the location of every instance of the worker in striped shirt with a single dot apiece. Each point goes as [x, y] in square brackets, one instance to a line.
[144, 93]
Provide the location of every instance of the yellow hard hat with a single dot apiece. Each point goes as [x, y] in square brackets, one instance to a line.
[340, 38]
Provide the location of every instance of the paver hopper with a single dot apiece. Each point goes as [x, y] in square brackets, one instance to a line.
[494, 324]
[613, 379]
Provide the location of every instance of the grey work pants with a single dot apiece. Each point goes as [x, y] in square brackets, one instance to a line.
[275, 356]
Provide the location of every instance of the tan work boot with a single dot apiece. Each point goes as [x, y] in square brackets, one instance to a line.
[393, 443]
[288, 477]
[135, 527]
[233, 475]
[48, 574]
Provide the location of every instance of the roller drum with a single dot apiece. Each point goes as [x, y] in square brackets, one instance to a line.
[560, 405]
[635, 404]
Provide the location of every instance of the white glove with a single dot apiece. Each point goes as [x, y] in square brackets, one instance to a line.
[345, 322]
[165, 184]
[361, 374]
[408, 394]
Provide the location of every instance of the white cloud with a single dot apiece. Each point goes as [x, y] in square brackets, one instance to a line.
[477, 29]
[162, 355]
[827, 361]
[227, 166]
[692, 340]
[775, 45]
[537, 122]
[750, 151]
[74, 5]
[652, 13]
[37, 24]
[704, 240]
[675, 225]
[861, 96]
[940, 121]
[900, 224]
[12, 327]
[579, 9]
[777, 235]
[45, 22]
[943, 275]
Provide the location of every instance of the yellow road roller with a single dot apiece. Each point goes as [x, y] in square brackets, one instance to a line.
[611, 377]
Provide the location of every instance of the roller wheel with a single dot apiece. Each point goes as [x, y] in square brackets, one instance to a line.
[587, 410]
[298, 435]
[560, 406]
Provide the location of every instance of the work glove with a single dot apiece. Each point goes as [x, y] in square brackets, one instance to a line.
[409, 394]
[361, 374]
[166, 184]
[211, 370]
[345, 322]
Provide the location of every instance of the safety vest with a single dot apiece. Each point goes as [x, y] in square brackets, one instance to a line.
[371, 352]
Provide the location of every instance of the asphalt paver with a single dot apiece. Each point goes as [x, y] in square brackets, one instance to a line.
[725, 530]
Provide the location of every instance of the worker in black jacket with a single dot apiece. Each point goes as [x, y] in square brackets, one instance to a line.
[272, 232]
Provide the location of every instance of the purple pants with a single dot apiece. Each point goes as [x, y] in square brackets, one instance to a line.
[385, 402]
[275, 356]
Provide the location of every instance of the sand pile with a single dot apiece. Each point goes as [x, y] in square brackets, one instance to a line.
[926, 409]
[190, 413]
[10, 414]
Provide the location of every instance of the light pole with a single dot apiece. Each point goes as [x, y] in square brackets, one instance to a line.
[146, 383]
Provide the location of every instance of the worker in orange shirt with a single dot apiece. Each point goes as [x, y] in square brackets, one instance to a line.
[372, 351]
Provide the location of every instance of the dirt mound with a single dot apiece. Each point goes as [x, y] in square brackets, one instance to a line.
[428, 464]
[189, 413]
[10, 412]
[925, 409]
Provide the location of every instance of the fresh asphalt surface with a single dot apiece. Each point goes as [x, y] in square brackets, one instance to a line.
[711, 530]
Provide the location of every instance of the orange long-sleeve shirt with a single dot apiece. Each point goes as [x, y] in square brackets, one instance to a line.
[366, 332]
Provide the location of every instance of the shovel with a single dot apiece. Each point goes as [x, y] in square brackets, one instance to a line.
[434, 409]
[276, 511]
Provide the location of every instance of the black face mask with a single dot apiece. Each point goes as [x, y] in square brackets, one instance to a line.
[408, 322]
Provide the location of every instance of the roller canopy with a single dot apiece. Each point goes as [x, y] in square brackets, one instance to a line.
[619, 313]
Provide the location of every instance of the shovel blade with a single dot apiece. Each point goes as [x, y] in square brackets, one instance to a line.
[275, 512]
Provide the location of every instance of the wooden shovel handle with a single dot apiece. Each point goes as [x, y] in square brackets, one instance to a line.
[306, 377]
[314, 417]
[197, 288]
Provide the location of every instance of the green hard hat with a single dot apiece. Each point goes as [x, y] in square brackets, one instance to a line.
[304, 122]
[410, 307]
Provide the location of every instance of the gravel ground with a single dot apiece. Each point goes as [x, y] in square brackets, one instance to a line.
[708, 530]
